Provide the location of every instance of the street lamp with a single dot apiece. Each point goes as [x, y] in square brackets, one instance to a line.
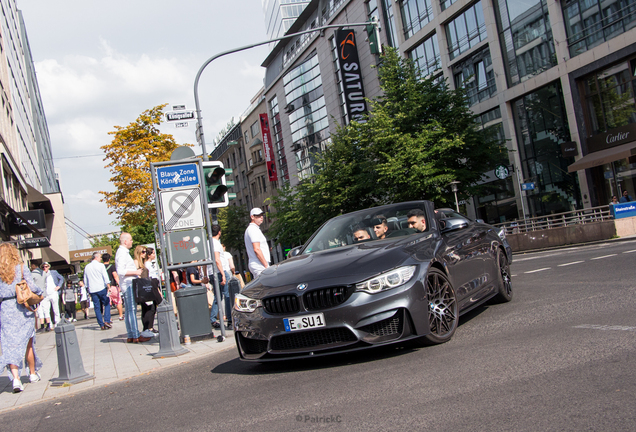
[199, 131]
[453, 186]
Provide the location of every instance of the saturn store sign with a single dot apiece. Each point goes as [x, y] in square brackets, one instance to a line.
[351, 75]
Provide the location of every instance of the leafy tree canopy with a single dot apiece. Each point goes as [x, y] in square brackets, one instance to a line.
[420, 136]
[233, 220]
[128, 157]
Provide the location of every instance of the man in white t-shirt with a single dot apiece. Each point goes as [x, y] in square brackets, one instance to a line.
[256, 244]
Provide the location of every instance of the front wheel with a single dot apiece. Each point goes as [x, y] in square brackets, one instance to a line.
[443, 313]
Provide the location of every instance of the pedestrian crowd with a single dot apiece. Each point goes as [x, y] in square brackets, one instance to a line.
[112, 284]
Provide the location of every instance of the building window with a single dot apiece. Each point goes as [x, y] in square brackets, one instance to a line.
[277, 135]
[257, 156]
[254, 129]
[307, 113]
[609, 97]
[426, 56]
[445, 4]
[526, 39]
[415, 15]
[476, 75]
[339, 84]
[466, 31]
[541, 127]
[591, 22]
[389, 22]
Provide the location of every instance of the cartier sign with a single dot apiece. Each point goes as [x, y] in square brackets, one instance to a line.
[612, 138]
[569, 149]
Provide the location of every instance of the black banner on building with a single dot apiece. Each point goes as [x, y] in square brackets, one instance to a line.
[351, 73]
[18, 222]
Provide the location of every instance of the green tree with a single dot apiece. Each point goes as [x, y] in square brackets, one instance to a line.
[111, 240]
[419, 137]
[128, 157]
[233, 221]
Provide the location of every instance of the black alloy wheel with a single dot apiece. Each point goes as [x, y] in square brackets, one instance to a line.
[505, 280]
[443, 314]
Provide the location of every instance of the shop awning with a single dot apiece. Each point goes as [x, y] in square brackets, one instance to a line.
[38, 201]
[604, 156]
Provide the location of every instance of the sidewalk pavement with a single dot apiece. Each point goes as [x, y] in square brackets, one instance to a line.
[106, 356]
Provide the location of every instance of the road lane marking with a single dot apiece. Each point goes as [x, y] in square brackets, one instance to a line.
[605, 327]
[630, 251]
[601, 257]
[575, 262]
[534, 271]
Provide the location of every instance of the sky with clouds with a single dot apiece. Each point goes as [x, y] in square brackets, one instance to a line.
[101, 64]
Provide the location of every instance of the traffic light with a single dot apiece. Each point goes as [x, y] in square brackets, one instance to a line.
[215, 184]
[373, 33]
[229, 183]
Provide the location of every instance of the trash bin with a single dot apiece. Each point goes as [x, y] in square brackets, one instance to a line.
[194, 315]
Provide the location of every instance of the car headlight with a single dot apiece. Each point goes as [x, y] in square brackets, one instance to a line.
[245, 304]
[388, 280]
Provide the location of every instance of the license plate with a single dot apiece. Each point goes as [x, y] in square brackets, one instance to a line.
[304, 322]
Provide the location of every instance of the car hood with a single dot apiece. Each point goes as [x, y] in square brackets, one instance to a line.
[341, 266]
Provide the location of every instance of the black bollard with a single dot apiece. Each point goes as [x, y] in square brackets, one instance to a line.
[69, 359]
[169, 345]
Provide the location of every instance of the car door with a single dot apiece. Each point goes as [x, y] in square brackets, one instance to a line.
[464, 262]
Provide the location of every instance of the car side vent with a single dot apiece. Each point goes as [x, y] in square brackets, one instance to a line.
[281, 304]
[325, 298]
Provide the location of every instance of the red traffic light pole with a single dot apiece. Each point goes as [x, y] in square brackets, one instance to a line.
[199, 130]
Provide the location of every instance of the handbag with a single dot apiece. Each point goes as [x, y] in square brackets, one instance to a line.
[146, 290]
[25, 296]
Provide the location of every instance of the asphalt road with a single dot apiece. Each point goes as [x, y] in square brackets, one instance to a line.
[560, 356]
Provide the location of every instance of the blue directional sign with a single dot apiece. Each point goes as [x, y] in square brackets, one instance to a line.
[175, 176]
[623, 210]
[527, 186]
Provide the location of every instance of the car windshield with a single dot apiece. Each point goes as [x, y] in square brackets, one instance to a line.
[370, 225]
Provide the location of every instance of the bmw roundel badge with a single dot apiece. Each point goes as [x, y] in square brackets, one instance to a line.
[301, 287]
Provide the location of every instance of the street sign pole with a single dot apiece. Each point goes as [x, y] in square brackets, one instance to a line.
[523, 207]
[167, 171]
[169, 345]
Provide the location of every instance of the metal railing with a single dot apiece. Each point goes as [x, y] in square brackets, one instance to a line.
[576, 217]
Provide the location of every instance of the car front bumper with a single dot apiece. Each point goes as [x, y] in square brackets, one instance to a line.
[362, 321]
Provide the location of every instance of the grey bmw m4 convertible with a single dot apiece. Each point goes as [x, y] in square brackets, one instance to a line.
[373, 277]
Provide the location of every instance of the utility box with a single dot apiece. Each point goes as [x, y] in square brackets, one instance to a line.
[194, 315]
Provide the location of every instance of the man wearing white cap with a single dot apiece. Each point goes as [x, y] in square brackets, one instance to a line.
[256, 244]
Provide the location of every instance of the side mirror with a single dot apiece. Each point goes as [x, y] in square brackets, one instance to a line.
[295, 251]
[451, 224]
[479, 221]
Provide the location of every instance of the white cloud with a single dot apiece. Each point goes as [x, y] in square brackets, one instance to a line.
[88, 198]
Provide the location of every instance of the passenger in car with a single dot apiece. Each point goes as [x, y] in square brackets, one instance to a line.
[417, 219]
[380, 226]
[360, 233]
